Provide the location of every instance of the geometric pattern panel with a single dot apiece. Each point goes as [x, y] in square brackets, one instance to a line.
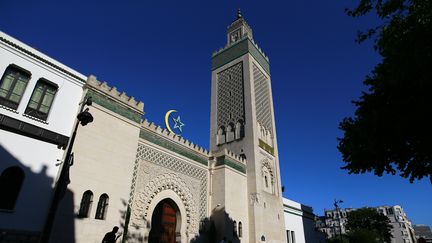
[230, 96]
[262, 99]
[156, 171]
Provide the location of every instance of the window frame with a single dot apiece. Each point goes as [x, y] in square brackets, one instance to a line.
[6, 101]
[36, 113]
[102, 207]
[85, 205]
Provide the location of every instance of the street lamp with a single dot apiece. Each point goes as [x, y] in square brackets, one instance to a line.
[84, 117]
[336, 204]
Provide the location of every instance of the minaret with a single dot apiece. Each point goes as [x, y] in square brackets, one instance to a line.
[242, 121]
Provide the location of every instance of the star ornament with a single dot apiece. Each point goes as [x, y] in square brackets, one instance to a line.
[178, 124]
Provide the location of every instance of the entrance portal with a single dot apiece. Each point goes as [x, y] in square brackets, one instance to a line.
[165, 224]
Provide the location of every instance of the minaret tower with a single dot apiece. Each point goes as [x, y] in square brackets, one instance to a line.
[242, 121]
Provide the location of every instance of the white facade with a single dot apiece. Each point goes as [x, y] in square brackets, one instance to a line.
[300, 223]
[28, 140]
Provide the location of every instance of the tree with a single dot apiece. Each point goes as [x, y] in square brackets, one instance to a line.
[392, 130]
[368, 225]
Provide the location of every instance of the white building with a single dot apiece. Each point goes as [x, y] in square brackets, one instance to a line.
[38, 103]
[300, 223]
[333, 223]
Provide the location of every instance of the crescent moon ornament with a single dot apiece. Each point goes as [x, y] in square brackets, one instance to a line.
[166, 120]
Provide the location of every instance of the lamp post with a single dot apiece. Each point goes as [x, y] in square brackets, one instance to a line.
[84, 117]
[336, 204]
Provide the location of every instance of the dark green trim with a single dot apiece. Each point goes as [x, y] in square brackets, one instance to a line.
[299, 212]
[235, 165]
[114, 106]
[269, 149]
[29, 130]
[237, 50]
[295, 213]
[164, 142]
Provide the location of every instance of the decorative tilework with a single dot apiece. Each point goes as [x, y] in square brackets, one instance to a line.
[163, 142]
[237, 50]
[262, 99]
[232, 164]
[230, 98]
[155, 171]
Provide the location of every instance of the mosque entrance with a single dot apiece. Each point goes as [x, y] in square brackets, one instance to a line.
[165, 224]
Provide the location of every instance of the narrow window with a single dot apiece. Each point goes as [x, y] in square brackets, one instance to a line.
[41, 99]
[234, 228]
[240, 229]
[266, 181]
[86, 202]
[12, 86]
[293, 237]
[102, 207]
[11, 180]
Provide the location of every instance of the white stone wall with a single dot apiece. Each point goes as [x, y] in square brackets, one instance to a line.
[104, 154]
[35, 157]
[229, 195]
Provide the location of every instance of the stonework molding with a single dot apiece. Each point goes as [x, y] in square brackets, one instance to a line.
[156, 171]
[266, 164]
[255, 199]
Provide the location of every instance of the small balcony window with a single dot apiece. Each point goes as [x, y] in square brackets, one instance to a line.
[41, 100]
[12, 86]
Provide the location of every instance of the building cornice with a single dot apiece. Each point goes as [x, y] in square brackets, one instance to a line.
[34, 55]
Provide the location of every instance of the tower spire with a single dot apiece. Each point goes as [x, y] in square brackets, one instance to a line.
[239, 15]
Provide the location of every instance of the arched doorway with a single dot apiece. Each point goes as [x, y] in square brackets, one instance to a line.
[165, 224]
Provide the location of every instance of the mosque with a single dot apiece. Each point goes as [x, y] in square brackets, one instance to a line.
[157, 186]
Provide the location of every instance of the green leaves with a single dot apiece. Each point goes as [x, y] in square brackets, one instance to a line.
[391, 130]
[367, 225]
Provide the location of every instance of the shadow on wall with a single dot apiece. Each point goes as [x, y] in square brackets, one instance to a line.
[64, 226]
[212, 229]
[24, 206]
[217, 227]
[130, 235]
[311, 233]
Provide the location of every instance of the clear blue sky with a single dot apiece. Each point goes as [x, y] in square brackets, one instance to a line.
[160, 53]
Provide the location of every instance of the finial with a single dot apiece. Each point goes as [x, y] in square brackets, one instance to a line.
[239, 14]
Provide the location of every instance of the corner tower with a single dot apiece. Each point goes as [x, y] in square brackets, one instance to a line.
[242, 121]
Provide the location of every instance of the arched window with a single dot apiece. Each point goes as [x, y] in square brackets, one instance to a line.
[11, 180]
[86, 202]
[234, 228]
[240, 229]
[102, 207]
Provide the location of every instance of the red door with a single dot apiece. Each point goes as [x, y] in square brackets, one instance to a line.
[163, 224]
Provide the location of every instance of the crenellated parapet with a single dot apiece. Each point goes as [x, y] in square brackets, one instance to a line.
[171, 141]
[115, 94]
[227, 46]
[114, 100]
[231, 159]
